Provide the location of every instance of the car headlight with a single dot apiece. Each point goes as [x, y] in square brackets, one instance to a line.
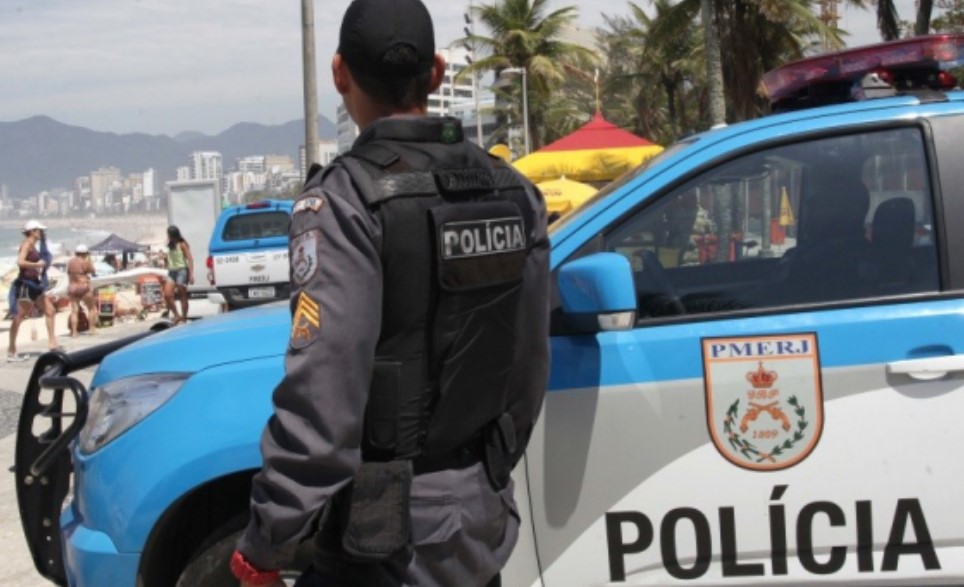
[119, 405]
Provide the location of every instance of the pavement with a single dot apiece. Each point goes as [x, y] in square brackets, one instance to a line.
[17, 569]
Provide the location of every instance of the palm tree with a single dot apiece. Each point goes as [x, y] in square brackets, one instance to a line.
[649, 87]
[924, 10]
[714, 63]
[524, 33]
[763, 33]
[888, 22]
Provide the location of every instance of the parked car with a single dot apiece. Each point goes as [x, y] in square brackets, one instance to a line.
[248, 261]
[757, 372]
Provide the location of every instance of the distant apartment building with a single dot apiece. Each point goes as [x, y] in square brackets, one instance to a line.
[278, 164]
[346, 128]
[101, 182]
[206, 165]
[451, 93]
[184, 173]
[135, 187]
[327, 151]
[251, 164]
[151, 183]
[238, 183]
[82, 198]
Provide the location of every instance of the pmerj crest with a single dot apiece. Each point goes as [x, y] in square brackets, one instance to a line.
[764, 399]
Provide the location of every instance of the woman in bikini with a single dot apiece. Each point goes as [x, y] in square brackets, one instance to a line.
[79, 270]
[30, 289]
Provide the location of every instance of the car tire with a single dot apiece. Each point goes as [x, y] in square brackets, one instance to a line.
[210, 564]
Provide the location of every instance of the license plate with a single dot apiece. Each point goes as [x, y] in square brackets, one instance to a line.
[259, 293]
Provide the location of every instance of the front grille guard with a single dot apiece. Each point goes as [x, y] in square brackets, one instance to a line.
[42, 460]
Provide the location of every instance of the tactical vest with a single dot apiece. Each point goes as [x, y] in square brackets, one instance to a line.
[457, 227]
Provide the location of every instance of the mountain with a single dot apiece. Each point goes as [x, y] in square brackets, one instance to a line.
[40, 153]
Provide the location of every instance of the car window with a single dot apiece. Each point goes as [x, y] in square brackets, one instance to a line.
[260, 225]
[829, 219]
[622, 180]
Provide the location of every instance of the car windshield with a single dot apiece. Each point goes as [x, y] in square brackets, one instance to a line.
[620, 181]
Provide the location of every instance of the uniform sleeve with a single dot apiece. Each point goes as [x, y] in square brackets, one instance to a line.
[311, 445]
[529, 378]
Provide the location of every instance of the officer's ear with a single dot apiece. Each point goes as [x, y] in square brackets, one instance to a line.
[438, 73]
[340, 74]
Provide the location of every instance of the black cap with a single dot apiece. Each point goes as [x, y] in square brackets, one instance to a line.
[371, 27]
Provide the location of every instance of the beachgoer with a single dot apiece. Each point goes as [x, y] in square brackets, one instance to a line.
[180, 271]
[79, 271]
[47, 258]
[30, 290]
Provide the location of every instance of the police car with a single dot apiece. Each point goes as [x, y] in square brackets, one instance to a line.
[248, 260]
[756, 374]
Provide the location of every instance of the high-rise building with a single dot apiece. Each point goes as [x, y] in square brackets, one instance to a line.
[151, 183]
[184, 173]
[327, 151]
[101, 182]
[278, 164]
[453, 91]
[346, 127]
[206, 165]
[253, 164]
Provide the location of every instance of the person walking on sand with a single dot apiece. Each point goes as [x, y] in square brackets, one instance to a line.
[30, 290]
[180, 271]
[79, 270]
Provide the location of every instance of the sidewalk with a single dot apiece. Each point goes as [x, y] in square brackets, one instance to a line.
[18, 569]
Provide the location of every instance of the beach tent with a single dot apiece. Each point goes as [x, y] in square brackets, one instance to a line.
[563, 195]
[599, 151]
[116, 244]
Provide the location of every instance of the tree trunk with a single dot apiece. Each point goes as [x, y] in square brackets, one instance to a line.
[714, 63]
[888, 20]
[924, 9]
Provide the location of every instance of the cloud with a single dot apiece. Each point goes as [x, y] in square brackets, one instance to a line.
[175, 65]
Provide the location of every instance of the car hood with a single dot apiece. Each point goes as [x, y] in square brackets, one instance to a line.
[226, 338]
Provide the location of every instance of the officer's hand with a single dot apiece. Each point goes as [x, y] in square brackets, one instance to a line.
[190, 279]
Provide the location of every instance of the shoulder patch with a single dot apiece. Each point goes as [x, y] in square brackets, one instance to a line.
[304, 256]
[313, 203]
[306, 322]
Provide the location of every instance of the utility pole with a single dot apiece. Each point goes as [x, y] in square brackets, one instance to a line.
[311, 83]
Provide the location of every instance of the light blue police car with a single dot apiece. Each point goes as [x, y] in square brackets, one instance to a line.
[248, 253]
[758, 347]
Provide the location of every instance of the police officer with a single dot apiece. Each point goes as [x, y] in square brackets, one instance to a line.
[418, 354]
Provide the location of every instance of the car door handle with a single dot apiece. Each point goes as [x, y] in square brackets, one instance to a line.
[929, 368]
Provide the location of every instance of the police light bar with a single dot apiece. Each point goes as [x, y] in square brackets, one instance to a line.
[258, 205]
[908, 64]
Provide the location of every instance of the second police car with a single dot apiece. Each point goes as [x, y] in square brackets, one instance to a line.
[248, 262]
[757, 371]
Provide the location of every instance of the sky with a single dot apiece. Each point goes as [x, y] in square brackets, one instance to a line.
[165, 67]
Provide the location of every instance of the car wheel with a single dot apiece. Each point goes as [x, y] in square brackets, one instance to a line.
[210, 564]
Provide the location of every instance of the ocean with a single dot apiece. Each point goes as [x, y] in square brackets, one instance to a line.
[60, 240]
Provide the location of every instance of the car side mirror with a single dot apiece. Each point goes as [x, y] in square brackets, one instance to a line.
[597, 293]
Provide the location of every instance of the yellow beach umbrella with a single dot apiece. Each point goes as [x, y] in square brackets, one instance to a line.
[597, 152]
[564, 195]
